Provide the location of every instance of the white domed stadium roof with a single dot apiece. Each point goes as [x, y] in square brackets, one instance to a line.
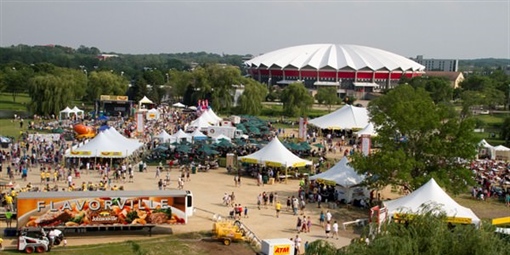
[334, 56]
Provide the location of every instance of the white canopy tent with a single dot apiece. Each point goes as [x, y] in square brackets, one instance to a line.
[500, 152]
[144, 100]
[206, 115]
[80, 113]
[343, 175]
[164, 137]
[179, 105]
[430, 194]
[181, 135]
[118, 137]
[347, 117]
[66, 112]
[275, 154]
[152, 114]
[213, 115]
[102, 146]
[200, 122]
[369, 129]
[197, 135]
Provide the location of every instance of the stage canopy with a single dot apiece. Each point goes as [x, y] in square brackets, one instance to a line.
[347, 117]
[430, 194]
[275, 154]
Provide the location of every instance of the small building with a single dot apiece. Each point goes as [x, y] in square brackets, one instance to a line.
[455, 78]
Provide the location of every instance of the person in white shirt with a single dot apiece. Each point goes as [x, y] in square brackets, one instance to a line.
[328, 216]
[328, 229]
[335, 230]
[297, 243]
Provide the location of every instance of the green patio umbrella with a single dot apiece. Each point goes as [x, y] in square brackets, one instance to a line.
[319, 145]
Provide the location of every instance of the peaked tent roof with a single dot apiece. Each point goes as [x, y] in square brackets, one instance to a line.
[206, 115]
[347, 117]
[145, 100]
[179, 135]
[275, 154]
[179, 105]
[342, 174]
[164, 136]
[102, 146]
[369, 129]
[66, 110]
[501, 148]
[197, 135]
[484, 143]
[200, 122]
[213, 115]
[430, 193]
[76, 109]
[115, 135]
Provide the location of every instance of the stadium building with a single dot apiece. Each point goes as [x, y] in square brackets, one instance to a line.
[352, 69]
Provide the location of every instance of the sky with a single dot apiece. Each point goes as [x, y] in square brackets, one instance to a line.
[459, 29]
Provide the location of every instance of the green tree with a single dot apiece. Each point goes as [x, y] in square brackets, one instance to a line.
[419, 140]
[296, 100]
[250, 102]
[105, 83]
[439, 88]
[505, 131]
[50, 93]
[327, 96]
[321, 247]
[14, 78]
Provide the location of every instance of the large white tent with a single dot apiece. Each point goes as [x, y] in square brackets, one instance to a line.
[207, 116]
[369, 129]
[213, 115]
[275, 154]
[343, 175]
[431, 194]
[118, 137]
[103, 146]
[500, 152]
[347, 117]
[200, 122]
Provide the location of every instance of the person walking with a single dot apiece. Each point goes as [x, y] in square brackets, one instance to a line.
[259, 201]
[335, 230]
[278, 207]
[298, 224]
[322, 218]
[328, 229]
[246, 211]
[328, 216]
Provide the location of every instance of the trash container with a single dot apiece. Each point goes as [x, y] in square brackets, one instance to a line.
[193, 169]
[140, 167]
[265, 178]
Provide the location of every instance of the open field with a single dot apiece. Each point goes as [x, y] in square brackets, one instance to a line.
[7, 103]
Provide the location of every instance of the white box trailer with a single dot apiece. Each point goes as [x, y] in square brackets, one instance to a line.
[215, 131]
[103, 208]
[281, 246]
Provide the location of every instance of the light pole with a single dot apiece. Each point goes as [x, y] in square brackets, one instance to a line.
[508, 97]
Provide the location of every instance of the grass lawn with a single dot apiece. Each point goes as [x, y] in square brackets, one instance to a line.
[189, 244]
[10, 128]
[6, 102]
[488, 209]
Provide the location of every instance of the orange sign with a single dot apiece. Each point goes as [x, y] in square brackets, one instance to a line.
[281, 250]
[111, 153]
[82, 153]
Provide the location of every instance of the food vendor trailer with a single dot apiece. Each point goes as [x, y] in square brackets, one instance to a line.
[103, 210]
